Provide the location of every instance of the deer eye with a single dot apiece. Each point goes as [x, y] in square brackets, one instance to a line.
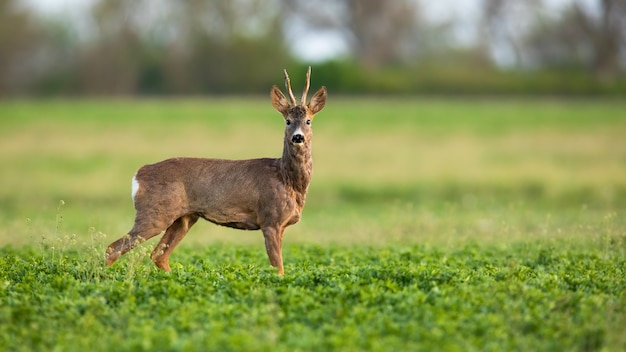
[288, 122]
[308, 122]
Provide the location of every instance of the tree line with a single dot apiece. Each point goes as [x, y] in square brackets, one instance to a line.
[158, 47]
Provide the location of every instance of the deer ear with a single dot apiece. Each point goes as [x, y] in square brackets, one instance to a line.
[279, 101]
[318, 100]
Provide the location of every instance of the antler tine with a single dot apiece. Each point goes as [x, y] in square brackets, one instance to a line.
[288, 85]
[306, 86]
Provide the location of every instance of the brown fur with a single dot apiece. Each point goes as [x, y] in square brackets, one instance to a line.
[267, 194]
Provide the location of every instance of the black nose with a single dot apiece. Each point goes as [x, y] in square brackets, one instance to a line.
[297, 138]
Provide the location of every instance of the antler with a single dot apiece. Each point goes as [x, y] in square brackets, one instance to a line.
[306, 86]
[288, 85]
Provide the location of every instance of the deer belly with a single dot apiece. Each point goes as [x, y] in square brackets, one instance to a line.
[240, 224]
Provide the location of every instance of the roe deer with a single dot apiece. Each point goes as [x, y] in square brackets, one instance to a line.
[266, 194]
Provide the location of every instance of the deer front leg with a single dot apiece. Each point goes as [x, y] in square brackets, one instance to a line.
[273, 246]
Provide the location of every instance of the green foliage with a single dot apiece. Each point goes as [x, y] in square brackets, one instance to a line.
[462, 77]
[522, 297]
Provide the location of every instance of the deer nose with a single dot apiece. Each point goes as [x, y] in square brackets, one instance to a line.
[297, 138]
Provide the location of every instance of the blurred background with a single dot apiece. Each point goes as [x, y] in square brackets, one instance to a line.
[198, 47]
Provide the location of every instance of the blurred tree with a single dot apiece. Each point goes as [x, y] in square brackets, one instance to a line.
[379, 33]
[225, 46]
[383, 32]
[110, 64]
[608, 33]
[194, 46]
[583, 39]
[505, 23]
[19, 40]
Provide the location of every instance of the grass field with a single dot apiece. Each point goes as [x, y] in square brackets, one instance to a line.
[454, 224]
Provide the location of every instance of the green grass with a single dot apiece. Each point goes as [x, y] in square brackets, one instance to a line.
[402, 297]
[449, 224]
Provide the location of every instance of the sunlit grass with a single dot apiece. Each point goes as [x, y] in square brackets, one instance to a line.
[385, 170]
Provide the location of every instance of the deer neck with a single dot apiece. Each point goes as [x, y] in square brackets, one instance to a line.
[297, 165]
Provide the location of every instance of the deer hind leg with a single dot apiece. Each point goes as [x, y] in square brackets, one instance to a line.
[141, 232]
[274, 246]
[172, 237]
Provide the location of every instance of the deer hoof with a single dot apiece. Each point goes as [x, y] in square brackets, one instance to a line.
[111, 256]
[163, 265]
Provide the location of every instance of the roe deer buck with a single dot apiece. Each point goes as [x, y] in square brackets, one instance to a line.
[266, 194]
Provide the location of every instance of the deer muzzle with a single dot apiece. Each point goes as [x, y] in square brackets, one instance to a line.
[297, 138]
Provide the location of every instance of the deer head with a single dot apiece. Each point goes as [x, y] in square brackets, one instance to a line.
[298, 118]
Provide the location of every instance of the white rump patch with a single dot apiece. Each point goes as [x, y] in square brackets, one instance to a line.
[135, 187]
